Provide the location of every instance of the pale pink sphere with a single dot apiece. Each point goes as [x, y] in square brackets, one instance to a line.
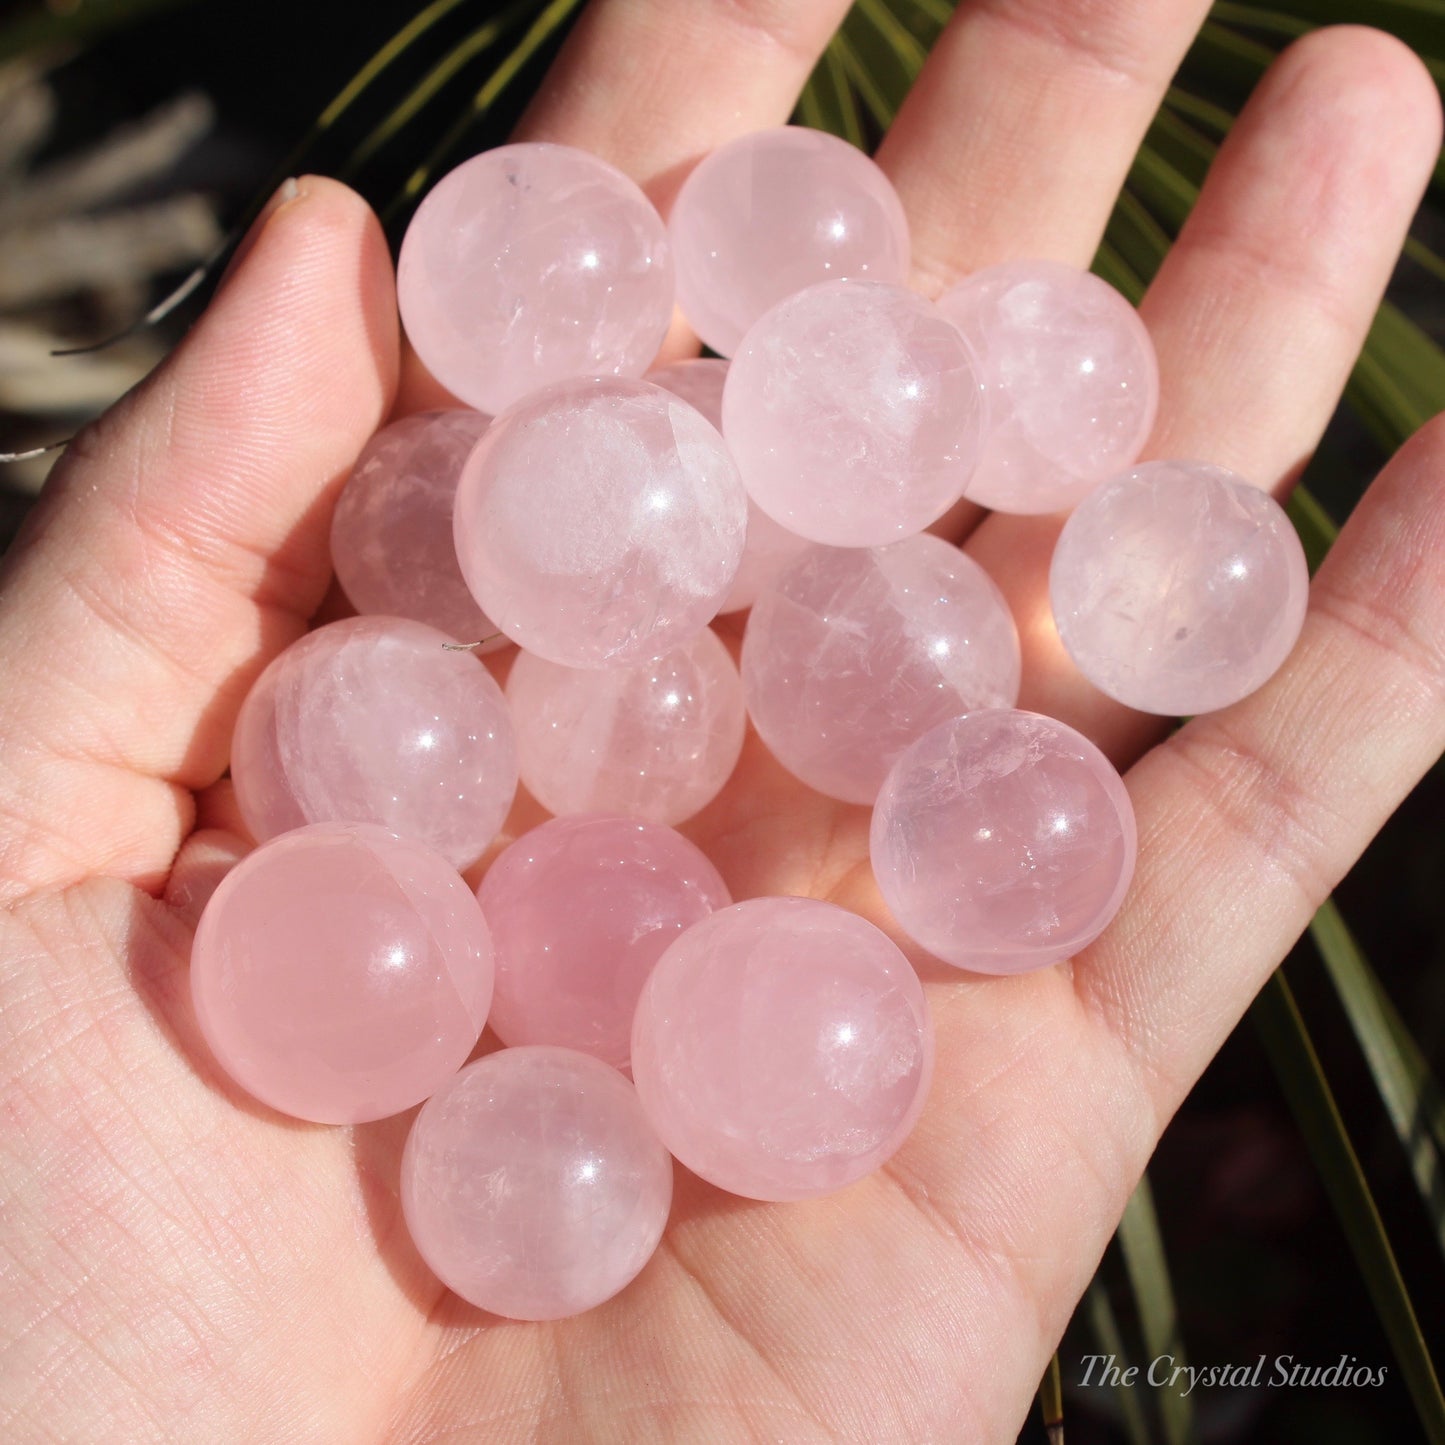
[532, 1184]
[782, 1048]
[855, 413]
[769, 548]
[656, 741]
[600, 523]
[774, 212]
[855, 652]
[341, 973]
[373, 720]
[1003, 841]
[529, 264]
[1072, 381]
[391, 533]
[580, 909]
[1179, 588]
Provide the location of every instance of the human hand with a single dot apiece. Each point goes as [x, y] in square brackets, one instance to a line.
[180, 1262]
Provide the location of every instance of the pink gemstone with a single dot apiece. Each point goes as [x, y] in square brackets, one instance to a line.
[532, 1184]
[1072, 382]
[341, 973]
[600, 523]
[855, 413]
[772, 213]
[1003, 841]
[782, 1048]
[656, 741]
[580, 909]
[529, 264]
[1179, 588]
[855, 652]
[373, 720]
[391, 533]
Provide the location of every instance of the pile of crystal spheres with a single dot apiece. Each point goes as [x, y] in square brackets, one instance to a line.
[600, 515]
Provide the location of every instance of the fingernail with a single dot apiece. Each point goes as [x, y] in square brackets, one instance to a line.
[286, 192]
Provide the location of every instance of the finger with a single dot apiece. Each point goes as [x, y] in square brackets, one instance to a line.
[1259, 310]
[181, 543]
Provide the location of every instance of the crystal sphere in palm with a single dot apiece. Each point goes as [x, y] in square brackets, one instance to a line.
[529, 264]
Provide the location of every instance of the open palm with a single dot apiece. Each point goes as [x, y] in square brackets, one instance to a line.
[178, 1262]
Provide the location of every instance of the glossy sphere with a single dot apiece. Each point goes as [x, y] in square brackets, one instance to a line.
[600, 523]
[372, 720]
[656, 741]
[580, 909]
[391, 533]
[855, 652]
[341, 973]
[1072, 380]
[782, 1048]
[532, 1184]
[773, 212]
[1003, 841]
[769, 548]
[529, 264]
[855, 413]
[1179, 588]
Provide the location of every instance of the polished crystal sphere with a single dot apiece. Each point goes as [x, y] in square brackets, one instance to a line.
[656, 741]
[856, 651]
[373, 720]
[1073, 384]
[772, 213]
[1003, 841]
[529, 264]
[532, 1184]
[341, 973]
[855, 413]
[782, 1048]
[580, 909]
[600, 523]
[391, 533]
[1179, 588]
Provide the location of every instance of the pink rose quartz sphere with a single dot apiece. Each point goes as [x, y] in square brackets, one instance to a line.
[532, 1184]
[373, 720]
[773, 212]
[656, 741]
[1073, 384]
[1003, 841]
[855, 413]
[341, 973]
[782, 1048]
[855, 652]
[391, 533]
[580, 909]
[529, 264]
[1179, 588]
[600, 523]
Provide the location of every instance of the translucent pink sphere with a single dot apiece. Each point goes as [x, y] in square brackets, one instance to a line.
[600, 523]
[532, 1184]
[1179, 588]
[855, 652]
[391, 533]
[1072, 380]
[855, 413]
[782, 1048]
[580, 909]
[373, 720]
[1003, 841]
[656, 741]
[772, 213]
[769, 548]
[341, 973]
[529, 264]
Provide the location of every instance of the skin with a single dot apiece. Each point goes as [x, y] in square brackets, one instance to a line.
[177, 1262]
